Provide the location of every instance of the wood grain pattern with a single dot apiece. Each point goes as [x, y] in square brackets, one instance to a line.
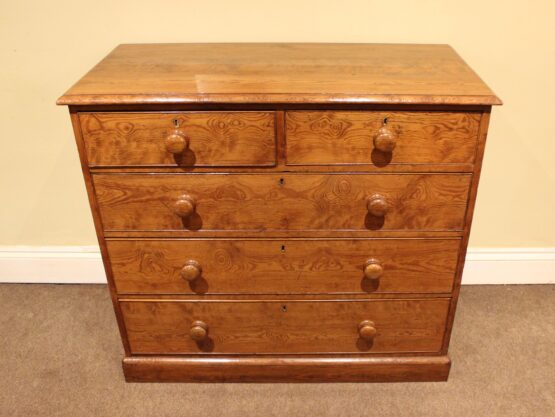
[235, 266]
[332, 137]
[99, 228]
[280, 73]
[289, 369]
[282, 202]
[484, 125]
[275, 327]
[215, 138]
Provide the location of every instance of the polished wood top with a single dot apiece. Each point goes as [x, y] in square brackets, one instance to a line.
[281, 73]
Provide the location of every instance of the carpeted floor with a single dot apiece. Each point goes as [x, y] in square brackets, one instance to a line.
[60, 356]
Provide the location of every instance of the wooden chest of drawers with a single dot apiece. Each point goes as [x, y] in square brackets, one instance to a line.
[282, 212]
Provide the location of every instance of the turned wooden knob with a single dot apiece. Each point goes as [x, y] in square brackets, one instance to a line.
[184, 206]
[176, 143]
[199, 331]
[191, 270]
[373, 269]
[377, 205]
[385, 139]
[367, 330]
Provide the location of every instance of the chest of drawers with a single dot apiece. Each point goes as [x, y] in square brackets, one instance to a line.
[282, 212]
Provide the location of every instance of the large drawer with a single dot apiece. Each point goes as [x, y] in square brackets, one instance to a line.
[180, 139]
[265, 327]
[366, 137]
[287, 266]
[292, 202]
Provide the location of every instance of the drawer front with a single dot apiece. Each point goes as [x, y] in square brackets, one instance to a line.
[334, 138]
[289, 266]
[266, 202]
[180, 139]
[264, 327]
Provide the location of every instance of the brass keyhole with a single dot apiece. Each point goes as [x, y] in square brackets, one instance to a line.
[176, 122]
[281, 181]
[283, 248]
[284, 308]
[385, 120]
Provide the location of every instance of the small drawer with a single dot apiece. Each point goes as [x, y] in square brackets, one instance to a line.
[380, 138]
[286, 202]
[179, 139]
[288, 266]
[292, 326]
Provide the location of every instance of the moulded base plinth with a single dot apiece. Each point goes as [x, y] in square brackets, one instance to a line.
[286, 369]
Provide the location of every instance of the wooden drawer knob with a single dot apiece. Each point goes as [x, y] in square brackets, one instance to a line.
[184, 206]
[176, 143]
[367, 330]
[377, 205]
[199, 331]
[373, 269]
[385, 139]
[191, 270]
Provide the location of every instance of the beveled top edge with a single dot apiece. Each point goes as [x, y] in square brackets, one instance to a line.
[254, 98]
[261, 73]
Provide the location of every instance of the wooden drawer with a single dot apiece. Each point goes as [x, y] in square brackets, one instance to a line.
[266, 202]
[264, 327]
[288, 266]
[203, 139]
[341, 137]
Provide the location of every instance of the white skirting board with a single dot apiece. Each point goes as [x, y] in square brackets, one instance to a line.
[83, 265]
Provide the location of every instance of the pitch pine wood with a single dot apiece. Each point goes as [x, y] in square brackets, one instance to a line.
[99, 229]
[285, 327]
[287, 266]
[484, 125]
[281, 73]
[282, 202]
[259, 218]
[214, 138]
[328, 137]
[290, 369]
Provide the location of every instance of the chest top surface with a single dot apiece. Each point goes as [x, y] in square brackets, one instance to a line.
[281, 73]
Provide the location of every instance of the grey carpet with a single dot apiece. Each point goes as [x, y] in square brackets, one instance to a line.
[60, 356]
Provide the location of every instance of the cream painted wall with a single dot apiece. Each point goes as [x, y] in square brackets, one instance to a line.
[47, 45]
